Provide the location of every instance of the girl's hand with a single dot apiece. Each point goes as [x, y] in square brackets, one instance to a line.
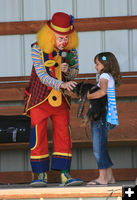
[101, 92]
[89, 96]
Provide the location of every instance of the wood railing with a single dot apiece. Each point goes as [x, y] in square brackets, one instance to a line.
[82, 24]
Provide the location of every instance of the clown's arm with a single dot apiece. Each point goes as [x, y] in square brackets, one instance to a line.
[43, 76]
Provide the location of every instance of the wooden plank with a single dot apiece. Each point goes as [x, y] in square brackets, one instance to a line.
[106, 23]
[12, 94]
[127, 90]
[14, 78]
[15, 177]
[11, 110]
[127, 129]
[85, 75]
[122, 174]
[62, 193]
[127, 77]
[120, 134]
[14, 146]
[17, 94]
[82, 24]
[75, 144]
[15, 91]
[81, 136]
[18, 78]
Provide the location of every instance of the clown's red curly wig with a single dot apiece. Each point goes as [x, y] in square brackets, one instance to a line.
[46, 39]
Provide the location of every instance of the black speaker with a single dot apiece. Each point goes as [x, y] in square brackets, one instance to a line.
[15, 128]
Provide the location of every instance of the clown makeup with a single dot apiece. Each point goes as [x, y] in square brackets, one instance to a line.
[61, 41]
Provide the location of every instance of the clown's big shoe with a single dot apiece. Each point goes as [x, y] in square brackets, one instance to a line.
[41, 181]
[66, 180]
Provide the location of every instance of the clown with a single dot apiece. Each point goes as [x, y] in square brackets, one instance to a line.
[52, 73]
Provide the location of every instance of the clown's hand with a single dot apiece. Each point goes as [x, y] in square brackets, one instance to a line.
[64, 67]
[69, 85]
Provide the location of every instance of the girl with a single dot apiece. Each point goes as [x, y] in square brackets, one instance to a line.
[109, 76]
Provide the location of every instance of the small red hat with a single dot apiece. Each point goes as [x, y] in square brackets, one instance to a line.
[61, 23]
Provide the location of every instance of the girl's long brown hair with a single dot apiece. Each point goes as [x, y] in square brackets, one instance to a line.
[110, 64]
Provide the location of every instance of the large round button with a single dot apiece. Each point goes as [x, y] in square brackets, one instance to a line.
[54, 98]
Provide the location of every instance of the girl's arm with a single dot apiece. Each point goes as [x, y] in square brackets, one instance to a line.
[101, 92]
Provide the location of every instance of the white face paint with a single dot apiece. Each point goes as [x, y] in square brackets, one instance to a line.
[61, 41]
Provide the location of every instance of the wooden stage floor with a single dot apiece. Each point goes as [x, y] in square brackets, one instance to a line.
[53, 191]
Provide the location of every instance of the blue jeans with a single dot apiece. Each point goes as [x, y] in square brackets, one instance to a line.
[99, 135]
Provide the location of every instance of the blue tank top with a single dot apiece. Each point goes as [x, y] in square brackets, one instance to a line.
[112, 116]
